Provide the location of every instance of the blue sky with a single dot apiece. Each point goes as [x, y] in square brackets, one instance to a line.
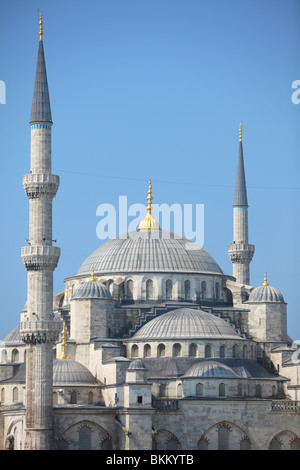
[155, 89]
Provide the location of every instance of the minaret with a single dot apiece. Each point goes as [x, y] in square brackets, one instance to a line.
[39, 329]
[240, 252]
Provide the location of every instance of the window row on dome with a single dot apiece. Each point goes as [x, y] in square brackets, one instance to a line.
[211, 349]
[14, 355]
[218, 388]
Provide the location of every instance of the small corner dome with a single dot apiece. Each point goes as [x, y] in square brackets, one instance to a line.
[92, 290]
[68, 373]
[212, 369]
[265, 294]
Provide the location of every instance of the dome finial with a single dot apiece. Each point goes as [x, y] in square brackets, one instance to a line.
[63, 354]
[240, 132]
[92, 278]
[265, 283]
[41, 27]
[149, 222]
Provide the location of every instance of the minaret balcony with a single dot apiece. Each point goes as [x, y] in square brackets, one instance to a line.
[40, 257]
[241, 252]
[40, 331]
[40, 184]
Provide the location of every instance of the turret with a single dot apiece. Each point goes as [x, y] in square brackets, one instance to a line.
[39, 329]
[240, 251]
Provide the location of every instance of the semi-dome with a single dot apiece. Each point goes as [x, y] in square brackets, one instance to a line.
[69, 373]
[186, 323]
[137, 364]
[265, 293]
[149, 251]
[91, 290]
[211, 369]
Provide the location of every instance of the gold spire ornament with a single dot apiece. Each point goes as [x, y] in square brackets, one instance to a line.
[265, 283]
[240, 133]
[149, 223]
[41, 27]
[92, 278]
[63, 354]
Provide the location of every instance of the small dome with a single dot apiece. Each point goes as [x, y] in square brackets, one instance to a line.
[186, 323]
[211, 369]
[137, 364]
[91, 290]
[265, 294]
[69, 373]
[13, 337]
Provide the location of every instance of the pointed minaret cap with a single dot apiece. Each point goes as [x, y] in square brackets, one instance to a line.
[41, 109]
[149, 223]
[240, 195]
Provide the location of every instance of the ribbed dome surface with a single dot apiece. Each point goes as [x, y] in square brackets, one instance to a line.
[265, 294]
[67, 372]
[91, 290]
[149, 251]
[186, 323]
[211, 369]
[13, 337]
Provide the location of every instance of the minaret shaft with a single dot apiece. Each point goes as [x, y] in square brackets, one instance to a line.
[240, 251]
[38, 328]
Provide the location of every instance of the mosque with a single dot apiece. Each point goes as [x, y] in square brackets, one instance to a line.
[149, 346]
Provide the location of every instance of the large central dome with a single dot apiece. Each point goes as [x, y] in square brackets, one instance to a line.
[149, 251]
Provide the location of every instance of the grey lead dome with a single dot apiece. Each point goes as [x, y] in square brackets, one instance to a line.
[150, 251]
[91, 290]
[265, 294]
[186, 323]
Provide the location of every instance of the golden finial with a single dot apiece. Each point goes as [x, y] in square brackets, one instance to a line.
[149, 222]
[240, 132]
[41, 27]
[265, 283]
[63, 354]
[92, 278]
[149, 198]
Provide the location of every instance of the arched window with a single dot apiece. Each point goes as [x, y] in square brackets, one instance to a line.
[162, 390]
[169, 288]
[223, 438]
[176, 350]
[129, 289]
[179, 391]
[203, 290]
[274, 391]
[15, 355]
[15, 394]
[203, 444]
[55, 398]
[222, 390]
[240, 389]
[245, 444]
[73, 397]
[149, 289]
[234, 350]
[193, 349]
[106, 444]
[147, 350]
[109, 285]
[245, 352]
[199, 390]
[187, 290]
[208, 350]
[134, 350]
[275, 444]
[258, 391]
[161, 350]
[90, 398]
[4, 356]
[84, 441]
[222, 351]
[2, 395]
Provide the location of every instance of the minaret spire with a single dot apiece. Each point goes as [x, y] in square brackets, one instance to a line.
[40, 330]
[240, 252]
[149, 223]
